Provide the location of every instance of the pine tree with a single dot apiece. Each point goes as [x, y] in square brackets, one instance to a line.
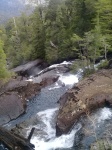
[104, 9]
[38, 35]
[3, 70]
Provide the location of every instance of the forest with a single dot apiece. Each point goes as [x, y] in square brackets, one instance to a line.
[59, 30]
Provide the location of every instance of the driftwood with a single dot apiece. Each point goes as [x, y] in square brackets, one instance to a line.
[14, 141]
[31, 133]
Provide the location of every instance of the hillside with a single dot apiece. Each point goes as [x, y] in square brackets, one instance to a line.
[11, 8]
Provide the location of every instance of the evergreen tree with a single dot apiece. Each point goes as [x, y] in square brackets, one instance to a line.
[104, 9]
[3, 69]
[59, 30]
[38, 35]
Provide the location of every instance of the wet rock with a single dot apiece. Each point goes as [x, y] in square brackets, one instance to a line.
[14, 141]
[48, 81]
[56, 68]
[50, 75]
[105, 142]
[11, 107]
[28, 68]
[110, 64]
[89, 94]
[20, 89]
[23, 128]
[52, 72]
[101, 144]
[13, 96]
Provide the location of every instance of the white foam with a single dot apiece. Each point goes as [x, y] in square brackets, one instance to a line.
[64, 141]
[56, 86]
[30, 80]
[65, 80]
[46, 117]
[105, 113]
[66, 63]
[48, 141]
[56, 65]
[69, 80]
[63, 63]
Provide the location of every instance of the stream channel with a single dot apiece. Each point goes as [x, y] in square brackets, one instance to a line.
[41, 114]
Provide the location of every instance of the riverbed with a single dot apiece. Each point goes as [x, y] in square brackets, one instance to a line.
[42, 111]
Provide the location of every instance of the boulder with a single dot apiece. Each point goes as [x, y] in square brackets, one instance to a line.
[11, 107]
[50, 75]
[13, 96]
[89, 94]
[57, 68]
[28, 68]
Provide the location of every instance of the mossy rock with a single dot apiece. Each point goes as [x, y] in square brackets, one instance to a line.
[101, 145]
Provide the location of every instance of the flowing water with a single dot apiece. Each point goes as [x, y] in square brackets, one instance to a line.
[43, 109]
[49, 140]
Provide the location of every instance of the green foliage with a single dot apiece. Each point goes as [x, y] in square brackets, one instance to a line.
[79, 64]
[38, 36]
[3, 71]
[103, 64]
[88, 71]
[61, 29]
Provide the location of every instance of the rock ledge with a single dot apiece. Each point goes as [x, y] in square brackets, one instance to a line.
[89, 94]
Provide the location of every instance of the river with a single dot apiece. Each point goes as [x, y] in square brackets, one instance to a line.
[42, 112]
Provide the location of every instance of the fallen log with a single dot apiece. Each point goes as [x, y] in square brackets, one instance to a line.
[31, 134]
[14, 141]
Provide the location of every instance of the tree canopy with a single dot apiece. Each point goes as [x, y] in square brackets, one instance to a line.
[3, 65]
[59, 30]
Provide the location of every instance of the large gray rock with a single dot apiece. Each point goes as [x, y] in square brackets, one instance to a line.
[28, 68]
[13, 96]
[11, 106]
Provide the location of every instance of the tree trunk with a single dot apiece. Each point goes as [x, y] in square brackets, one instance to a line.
[105, 52]
[15, 26]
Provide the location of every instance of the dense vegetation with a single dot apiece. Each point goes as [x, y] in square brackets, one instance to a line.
[3, 65]
[61, 29]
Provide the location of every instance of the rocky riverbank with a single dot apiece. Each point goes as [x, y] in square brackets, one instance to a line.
[89, 94]
[14, 96]
[15, 93]
[102, 144]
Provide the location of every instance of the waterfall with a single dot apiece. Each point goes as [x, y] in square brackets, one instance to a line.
[49, 141]
[44, 109]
